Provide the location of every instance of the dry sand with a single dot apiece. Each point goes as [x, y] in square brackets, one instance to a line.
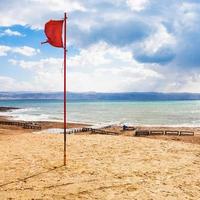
[99, 167]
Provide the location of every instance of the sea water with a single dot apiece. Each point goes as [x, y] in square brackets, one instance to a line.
[165, 113]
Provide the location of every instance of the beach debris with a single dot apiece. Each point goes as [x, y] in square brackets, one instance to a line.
[128, 128]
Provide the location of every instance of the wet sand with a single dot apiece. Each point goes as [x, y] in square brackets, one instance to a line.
[44, 125]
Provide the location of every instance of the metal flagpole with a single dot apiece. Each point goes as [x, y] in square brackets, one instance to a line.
[65, 88]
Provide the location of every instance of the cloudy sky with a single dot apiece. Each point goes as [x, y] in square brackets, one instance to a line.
[113, 45]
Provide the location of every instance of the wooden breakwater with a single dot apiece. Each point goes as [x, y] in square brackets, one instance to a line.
[92, 129]
[96, 129]
[5, 109]
[137, 133]
[105, 132]
[163, 132]
[74, 130]
[25, 125]
[100, 129]
[146, 132]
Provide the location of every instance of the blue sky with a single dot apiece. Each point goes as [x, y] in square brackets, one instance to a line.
[113, 46]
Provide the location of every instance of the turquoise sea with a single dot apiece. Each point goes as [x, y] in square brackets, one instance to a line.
[168, 113]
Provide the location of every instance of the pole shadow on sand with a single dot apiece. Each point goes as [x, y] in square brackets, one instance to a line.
[31, 176]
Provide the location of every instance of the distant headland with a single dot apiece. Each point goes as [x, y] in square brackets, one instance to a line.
[96, 96]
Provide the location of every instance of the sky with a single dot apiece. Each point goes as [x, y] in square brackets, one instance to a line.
[113, 46]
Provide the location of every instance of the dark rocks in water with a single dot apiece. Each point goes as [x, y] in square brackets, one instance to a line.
[4, 109]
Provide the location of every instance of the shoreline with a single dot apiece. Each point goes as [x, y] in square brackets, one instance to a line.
[7, 131]
[48, 124]
[16, 116]
[11, 118]
[46, 127]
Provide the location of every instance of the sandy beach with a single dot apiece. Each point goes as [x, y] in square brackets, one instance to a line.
[99, 167]
[99, 100]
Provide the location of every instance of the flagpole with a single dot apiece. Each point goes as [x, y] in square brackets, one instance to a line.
[65, 88]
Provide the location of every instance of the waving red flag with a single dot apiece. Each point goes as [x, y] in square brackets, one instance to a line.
[53, 30]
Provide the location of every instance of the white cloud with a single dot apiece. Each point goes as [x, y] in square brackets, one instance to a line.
[137, 5]
[176, 80]
[47, 73]
[4, 50]
[12, 12]
[11, 84]
[9, 32]
[25, 50]
[55, 5]
[161, 38]
[98, 68]
[41, 64]
[187, 17]
[104, 68]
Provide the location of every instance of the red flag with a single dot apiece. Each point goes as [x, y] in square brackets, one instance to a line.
[53, 31]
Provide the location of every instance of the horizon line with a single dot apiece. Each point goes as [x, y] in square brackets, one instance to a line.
[124, 92]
